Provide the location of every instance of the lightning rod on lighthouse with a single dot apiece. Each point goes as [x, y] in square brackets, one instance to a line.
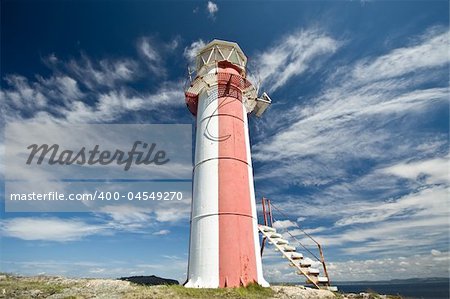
[224, 242]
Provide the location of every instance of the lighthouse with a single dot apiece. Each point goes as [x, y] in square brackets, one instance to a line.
[224, 248]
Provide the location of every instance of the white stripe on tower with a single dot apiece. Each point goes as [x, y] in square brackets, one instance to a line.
[204, 247]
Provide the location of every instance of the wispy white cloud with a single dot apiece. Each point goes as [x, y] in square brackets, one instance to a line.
[151, 55]
[107, 107]
[432, 171]
[292, 56]
[21, 95]
[426, 205]
[212, 9]
[78, 92]
[394, 267]
[155, 52]
[191, 51]
[162, 232]
[428, 264]
[378, 181]
[429, 51]
[105, 72]
[173, 214]
[435, 252]
[112, 105]
[300, 232]
[126, 217]
[148, 51]
[380, 228]
[350, 120]
[283, 224]
[49, 229]
[109, 220]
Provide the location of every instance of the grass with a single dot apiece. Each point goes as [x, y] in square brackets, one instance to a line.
[42, 287]
[252, 291]
[12, 286]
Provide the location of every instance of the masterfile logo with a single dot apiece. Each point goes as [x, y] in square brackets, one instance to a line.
[93, 164]
[146, 156]
[98, 151]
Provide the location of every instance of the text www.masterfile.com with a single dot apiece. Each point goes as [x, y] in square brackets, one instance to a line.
[99, 195]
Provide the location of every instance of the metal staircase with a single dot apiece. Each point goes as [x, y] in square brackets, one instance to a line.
[303, 265]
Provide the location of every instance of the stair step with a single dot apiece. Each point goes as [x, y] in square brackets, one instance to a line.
[275, 235]
[268, 229]
[282, 242]
[288, 248]
[304, 263]
[300, 272]
[305, 269]
[314, 279]
[296, 256]
[322, 279]
[311, 275]
[313, 271]
[318, 279]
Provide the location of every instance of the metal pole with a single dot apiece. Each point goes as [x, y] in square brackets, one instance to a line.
[270, 212]
[265, 223]
[263, 200]
[323, 263]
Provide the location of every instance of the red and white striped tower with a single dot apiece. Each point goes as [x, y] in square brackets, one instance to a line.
[224, 248]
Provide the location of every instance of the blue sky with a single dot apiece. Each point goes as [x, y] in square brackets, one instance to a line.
[354, 147]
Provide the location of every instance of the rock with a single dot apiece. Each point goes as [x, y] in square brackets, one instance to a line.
[35, 293]
[301, 292]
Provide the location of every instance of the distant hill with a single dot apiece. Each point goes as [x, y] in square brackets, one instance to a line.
[396, 281]
[151, 280]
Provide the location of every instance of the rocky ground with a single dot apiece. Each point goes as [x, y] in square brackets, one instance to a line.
[67, 288]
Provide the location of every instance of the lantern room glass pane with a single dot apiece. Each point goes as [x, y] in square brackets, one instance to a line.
[205, 56]
[226, 51]
[233, 58]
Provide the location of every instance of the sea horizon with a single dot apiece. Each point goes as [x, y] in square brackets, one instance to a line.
[411, 288]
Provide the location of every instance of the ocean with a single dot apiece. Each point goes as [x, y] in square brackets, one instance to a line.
[419, 290]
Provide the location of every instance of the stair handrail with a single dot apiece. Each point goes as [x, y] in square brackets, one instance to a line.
[322, 258]
[289, 257]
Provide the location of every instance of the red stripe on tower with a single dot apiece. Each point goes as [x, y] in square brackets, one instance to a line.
[237, 261]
